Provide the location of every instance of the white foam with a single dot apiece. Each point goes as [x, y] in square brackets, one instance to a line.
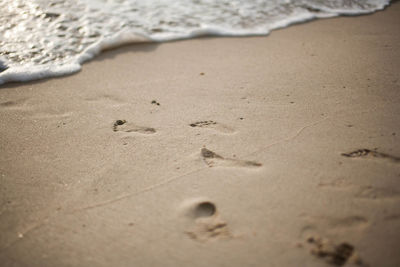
[41, 38]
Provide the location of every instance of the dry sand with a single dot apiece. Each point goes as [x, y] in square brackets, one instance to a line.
[237, 162]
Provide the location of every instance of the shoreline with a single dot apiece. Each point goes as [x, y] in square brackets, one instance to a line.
[93, 51]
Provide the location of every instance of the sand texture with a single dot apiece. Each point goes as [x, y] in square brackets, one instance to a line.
[265, 151]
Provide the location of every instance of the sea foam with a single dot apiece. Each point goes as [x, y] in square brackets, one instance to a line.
[42, 38]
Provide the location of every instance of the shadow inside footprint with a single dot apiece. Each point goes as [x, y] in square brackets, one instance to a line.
[205, 209]
[213, 159]
[124, 126]
[363, 153]
[212, 125]
[337, 255]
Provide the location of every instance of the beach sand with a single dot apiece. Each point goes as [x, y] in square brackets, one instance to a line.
[260, 151]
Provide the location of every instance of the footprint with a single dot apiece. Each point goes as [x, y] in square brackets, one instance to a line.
[370, 192]
[333, 225]
[8, 104]
[213, 125]
[50, 115]
[124, 126]
[210, 229]
[392, 217]
[13, 104]
[208, 225]
[364, 153]
[364, 192]
[333, 254]
[338, 183]
[212, 159]
[355, 222]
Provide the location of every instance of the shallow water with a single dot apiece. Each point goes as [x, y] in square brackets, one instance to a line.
[42, 38]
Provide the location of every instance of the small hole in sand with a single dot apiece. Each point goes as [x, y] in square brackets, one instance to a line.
[205, 209]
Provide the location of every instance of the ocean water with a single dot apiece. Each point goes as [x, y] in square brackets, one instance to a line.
[45, 38]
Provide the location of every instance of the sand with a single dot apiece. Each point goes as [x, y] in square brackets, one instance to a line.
[259, 151]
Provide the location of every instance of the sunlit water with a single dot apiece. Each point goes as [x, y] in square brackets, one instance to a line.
[44, 38]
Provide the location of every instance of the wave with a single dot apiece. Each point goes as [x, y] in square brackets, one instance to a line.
[42, 39]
